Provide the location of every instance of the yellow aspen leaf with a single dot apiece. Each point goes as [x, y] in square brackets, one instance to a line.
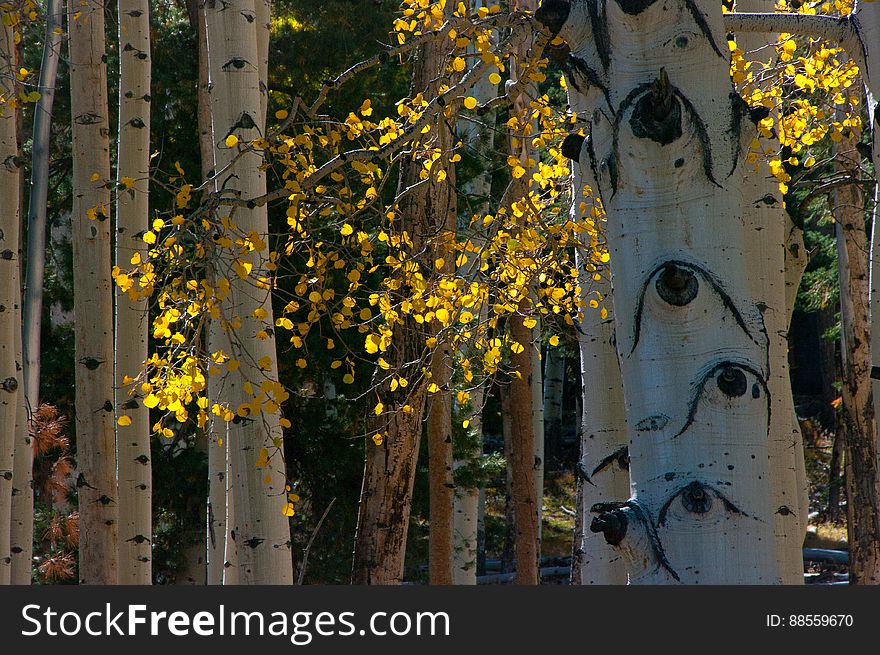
[470, 102]
[151, 401]
[348, 378]
[281, 114]
[529, 322]
[554, 340]
[124, 421]
[516, 347]
[495, 78]
[377, 439]
[378, 408]
[346, 230]
[301, 363]
[263, 458]
[265, 362]
[458, 64]
[231, 141]
[288, 510]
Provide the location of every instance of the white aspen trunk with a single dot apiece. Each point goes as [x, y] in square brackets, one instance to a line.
[789, 473]
[261, 529]
[858, 34]
[93, 301]
[11, 383]
[132, 219]
[478, 138]
[692, 334]
[554, 387]
[603, 463]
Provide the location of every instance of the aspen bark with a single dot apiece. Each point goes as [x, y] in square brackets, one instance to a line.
[693, 337]
[523, 464]
[857, 34]
[93, 300]
[33, 300]
[478, 140]
[554, 387]
[132, 219]
[392, 438]
[11, 382]
[858, 403]
[257, 460]
[603, 463]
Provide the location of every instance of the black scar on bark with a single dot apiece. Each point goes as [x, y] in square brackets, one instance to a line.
[578, 65]
[714, 284]
[696, 498]
[619, 456]
[612, 525]
[657, 116]
[571, 146]
[643, 517]
[689, 110]
[698, 391]
[700, 19]
[634, 7]
[552, 14]
[676, 285]
[599, 30]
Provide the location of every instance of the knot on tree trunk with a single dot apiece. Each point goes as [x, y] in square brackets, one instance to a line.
[657, 114]
[552, 14]
[677, 285]
[612, 523]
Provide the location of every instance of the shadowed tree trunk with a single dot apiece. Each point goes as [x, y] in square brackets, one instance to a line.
[392, 436]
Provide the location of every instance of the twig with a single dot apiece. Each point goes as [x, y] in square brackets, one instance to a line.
[302, 569]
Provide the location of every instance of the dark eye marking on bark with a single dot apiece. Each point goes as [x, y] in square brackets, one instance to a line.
[657, 116]
[9, 384]
[552, 14]
[714, 285]
[689, 110]
[599, 29]
[634, 7]
[621, 521]
[676, 285]
[652, 423]
[732, 382]
[579, 67]
[700, 19]
[710, 374]
[235, 62]
[696, 497]
[619, 457]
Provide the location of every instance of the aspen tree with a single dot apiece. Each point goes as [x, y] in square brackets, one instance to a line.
[132, 220]
[694, 344]
[93, 299]
[11, 382]
[23, 501]
[392, 442]
[255, 433]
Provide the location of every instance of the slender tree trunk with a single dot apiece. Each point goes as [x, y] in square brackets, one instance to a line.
[257, 461]
[93, 301]
[858, 403]
[537, 390]
[478, 139]
[603, 463]
[392, 437]
[11, 382]
[507, 552]
[526, 499]
[554, 387]
[33, 300]
[441, 487]
[132, 219]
